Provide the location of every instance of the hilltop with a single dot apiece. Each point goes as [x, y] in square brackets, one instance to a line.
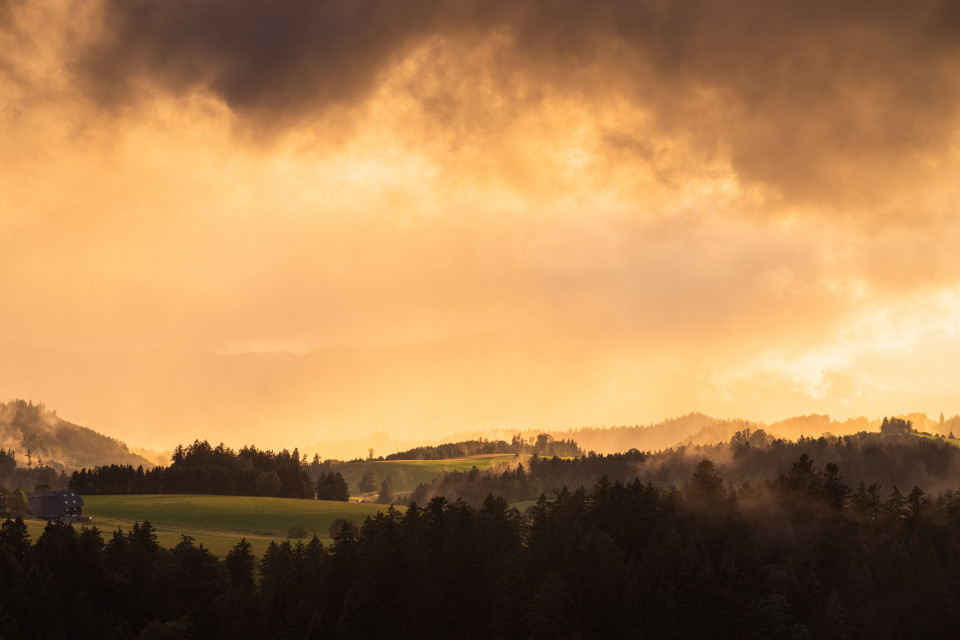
[25, 426]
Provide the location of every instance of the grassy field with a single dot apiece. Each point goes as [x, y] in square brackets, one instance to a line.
[407, 474]
[953, 441]
[220, 521]
[217, 521]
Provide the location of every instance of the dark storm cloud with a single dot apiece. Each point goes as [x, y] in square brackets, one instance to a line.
[258, 56]
[11, 37]
[818, 99]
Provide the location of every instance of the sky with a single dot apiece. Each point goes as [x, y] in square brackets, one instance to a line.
[624, 211]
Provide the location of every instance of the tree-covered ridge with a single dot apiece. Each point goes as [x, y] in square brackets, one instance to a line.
[662, 435]
[895, 457]
[202, 468]
[28, 428]
[800, 555]
[698, 429]
[543, 444]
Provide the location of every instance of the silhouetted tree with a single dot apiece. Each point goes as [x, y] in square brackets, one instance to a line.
[895, 427]
[240, 563]
[386, 492]
[332, 486]
[369, 482]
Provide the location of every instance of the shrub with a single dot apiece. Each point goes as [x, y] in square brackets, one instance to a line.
[297, 531]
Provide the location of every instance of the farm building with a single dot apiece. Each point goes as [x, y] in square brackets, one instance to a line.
[55, 505]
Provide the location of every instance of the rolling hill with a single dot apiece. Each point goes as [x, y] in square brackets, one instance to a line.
[25, 426]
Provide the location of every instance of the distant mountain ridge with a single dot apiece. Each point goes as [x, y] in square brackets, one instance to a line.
[339, 401]
[66, 446]
[25, 426]
[653, 437]
[700, 429]
[416, 392]
[662, 435]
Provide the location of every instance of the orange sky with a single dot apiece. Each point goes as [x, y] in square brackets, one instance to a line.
[558, 213]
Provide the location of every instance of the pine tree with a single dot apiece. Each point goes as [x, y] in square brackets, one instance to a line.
[332, 486]
[386, 492]
[240, 563]
[369, 482]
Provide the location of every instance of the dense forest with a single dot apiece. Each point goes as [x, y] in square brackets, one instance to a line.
[543, 444]
[202, 468]
[832, 537]
[894, 457]
[802, 554]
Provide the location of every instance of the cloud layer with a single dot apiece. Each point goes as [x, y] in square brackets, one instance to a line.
[708, 201]
[816, 100]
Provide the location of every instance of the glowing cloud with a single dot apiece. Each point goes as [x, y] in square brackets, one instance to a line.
[581, 213]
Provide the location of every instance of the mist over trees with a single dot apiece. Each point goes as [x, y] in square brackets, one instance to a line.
[853, 536]
[893, 458]
[700, 429]
[64, 446]
[805, 553]
[15, 476]
[665, 434]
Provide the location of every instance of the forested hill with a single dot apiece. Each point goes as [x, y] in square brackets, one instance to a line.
[32, 428]
[894, 458]
[663, 435]
[699, 429]
[543, 445]
[802, 553]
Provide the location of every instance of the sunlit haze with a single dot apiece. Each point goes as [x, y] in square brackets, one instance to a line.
[295, 223]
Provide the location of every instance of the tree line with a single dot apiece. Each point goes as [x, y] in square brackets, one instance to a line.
[895, 457]
[202, 468]
[544, 445]
[802, 554]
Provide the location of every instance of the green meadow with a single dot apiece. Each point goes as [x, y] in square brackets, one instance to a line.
[217, 521]
[953, 441]
[407, 474]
